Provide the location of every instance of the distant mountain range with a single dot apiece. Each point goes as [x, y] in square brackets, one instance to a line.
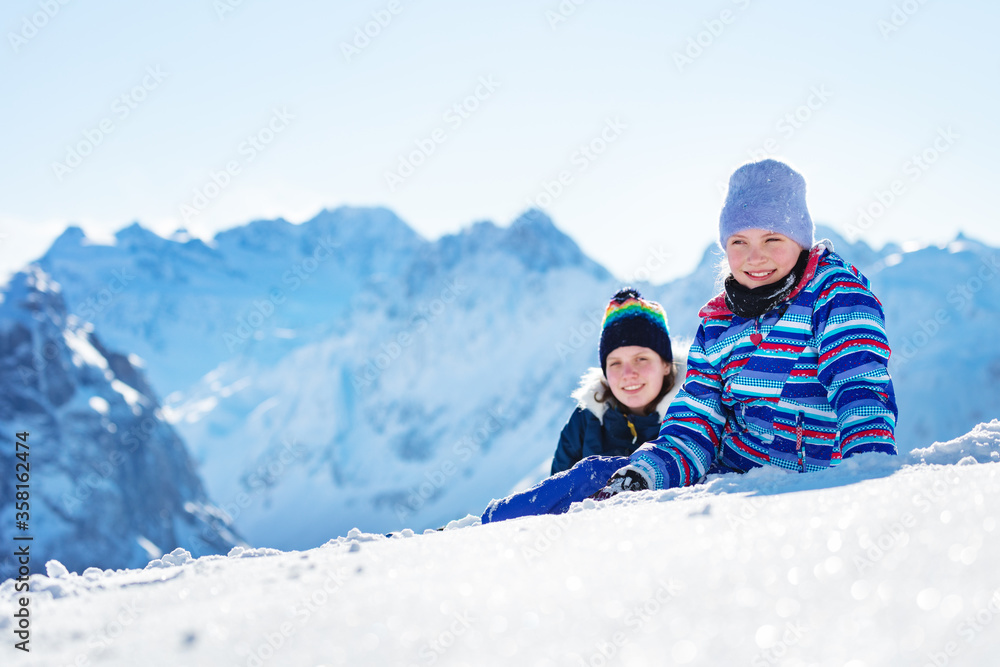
[348, 372]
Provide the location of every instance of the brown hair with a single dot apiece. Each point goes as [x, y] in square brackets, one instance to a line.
[605, 395]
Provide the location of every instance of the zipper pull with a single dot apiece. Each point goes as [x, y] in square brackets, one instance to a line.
[755, 337]
[799, 449]
[635, 436]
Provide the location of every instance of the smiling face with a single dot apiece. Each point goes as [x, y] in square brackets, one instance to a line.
[635, 375]
[758, 257]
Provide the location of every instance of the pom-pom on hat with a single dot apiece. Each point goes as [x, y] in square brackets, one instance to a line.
[632, 320]
[767, 195]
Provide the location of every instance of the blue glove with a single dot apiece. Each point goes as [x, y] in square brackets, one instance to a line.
[555, 494]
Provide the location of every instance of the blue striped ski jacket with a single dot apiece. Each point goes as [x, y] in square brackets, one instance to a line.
[801, 387]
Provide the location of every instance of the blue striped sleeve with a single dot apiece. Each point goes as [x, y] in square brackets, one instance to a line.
[692, 428]
[853, 363]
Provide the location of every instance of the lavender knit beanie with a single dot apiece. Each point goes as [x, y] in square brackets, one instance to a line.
[767, 195]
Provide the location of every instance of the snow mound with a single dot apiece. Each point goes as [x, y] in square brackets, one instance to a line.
[980, 445]
[882, 560]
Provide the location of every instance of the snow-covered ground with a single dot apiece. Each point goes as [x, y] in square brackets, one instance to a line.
[881, 561]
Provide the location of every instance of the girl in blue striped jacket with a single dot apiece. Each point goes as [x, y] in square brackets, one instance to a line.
[788, 368]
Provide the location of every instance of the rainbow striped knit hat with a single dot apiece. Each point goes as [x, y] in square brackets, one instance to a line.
[631, 320]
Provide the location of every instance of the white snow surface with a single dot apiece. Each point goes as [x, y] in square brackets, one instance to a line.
[880, 561]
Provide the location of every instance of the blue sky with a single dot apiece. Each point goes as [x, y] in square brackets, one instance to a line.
[206, 114]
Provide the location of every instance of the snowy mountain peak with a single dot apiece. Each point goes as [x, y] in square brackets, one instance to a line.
[531, 238]
[348, 221]
[258, 235]
[541, 245]
[137, 236]
[32, 295]
[72, 237]
[114, 476]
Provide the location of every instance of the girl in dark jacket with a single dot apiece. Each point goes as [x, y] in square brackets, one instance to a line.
[620, 404]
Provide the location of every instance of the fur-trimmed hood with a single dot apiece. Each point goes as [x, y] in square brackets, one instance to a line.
[591, 386]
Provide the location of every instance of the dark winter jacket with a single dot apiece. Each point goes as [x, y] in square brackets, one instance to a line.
[597, 429]
[801, 387]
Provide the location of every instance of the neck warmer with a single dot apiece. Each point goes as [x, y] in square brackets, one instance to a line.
[752, 303]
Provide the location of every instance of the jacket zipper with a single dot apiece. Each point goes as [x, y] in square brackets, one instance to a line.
[799, 419]
[635, 436]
